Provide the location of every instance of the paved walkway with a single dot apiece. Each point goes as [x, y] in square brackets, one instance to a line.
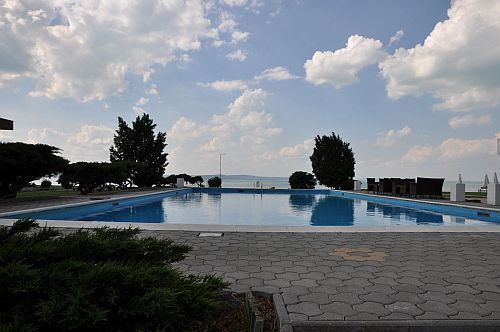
[358, 276]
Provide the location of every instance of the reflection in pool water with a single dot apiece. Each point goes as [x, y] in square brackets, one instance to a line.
[275, 209]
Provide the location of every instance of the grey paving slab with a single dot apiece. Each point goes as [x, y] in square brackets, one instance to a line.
[371, 308]
[305, 308]
[421, 277]
[339, 308]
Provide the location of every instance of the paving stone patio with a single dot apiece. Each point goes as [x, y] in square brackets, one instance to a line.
[358, 276]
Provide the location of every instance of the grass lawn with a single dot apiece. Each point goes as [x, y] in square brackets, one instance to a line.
[469, 194]
[54, 191]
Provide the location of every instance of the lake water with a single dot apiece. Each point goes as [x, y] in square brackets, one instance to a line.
[282, 183]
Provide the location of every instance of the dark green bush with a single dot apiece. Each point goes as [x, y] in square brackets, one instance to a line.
[45, 184]
[101, 279]
[302, 180]
[215, 182]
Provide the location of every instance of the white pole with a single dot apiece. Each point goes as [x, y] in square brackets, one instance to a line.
[220, 168]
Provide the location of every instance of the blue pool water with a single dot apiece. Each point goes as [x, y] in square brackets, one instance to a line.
[284, 209]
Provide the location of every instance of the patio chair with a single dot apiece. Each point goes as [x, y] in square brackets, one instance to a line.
[371, 185]
[385, 186]
[429, 187]
[403, 187]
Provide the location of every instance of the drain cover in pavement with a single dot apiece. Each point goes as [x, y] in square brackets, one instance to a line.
[210, 234]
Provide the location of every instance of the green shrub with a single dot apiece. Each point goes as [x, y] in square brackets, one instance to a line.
[302, 180]
[101, 279]
[214, 182]
[45, 184]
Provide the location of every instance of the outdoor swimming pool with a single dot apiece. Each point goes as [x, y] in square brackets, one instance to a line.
[270, 208]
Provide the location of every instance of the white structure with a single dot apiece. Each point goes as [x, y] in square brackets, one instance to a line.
[357, 185]
[457, 193]
[493, 193]
[180, 183]
[486, 181]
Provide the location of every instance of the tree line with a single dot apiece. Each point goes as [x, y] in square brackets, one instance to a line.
[138, 158]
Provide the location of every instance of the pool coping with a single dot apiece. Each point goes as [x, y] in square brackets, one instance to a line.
[414, 200]
[91, 201]
[262, 229]
[250, 228]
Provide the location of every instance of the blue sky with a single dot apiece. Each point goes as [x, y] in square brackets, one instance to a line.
[414, 86]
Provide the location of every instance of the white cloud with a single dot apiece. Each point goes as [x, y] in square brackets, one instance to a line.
[239, 36]
[397, 37]
[418, 154]
[225, 86]
[85, 49]
[138, 110]
[245, 126]
[452, 149]
[456, 148]
[469, 121]
[235, 3]
[184, 60]
[391, 137]
[340, 68]
[141, 101]
[93, 135]
[90, 143]
[215, 144]
[218, 43]
[228, 25]
[46, 136]
[6, 137]
[185, 129]
[302, 149]
[153, 90]
[275, 74]
[458, 63]
[250, 100]
[237, 55]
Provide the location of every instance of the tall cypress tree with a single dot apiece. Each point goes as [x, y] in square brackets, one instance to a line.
[333, 162]
[140, 145]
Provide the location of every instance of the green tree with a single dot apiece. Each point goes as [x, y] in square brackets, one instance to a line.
[198, 180]
[22, 163]
[171, 179]
[333, 162]
[139, 144]
[302, 180]
[46, 184]
[214, 182]
[85, 177]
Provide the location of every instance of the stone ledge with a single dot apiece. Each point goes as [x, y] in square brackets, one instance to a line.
[397, 326]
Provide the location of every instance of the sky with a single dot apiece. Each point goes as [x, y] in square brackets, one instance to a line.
[413, 86]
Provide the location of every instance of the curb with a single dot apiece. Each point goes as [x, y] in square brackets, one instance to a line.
[286, 325]
[397, 326]
[283, 319]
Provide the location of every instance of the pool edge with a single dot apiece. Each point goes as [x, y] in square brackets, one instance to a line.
[263, 229]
